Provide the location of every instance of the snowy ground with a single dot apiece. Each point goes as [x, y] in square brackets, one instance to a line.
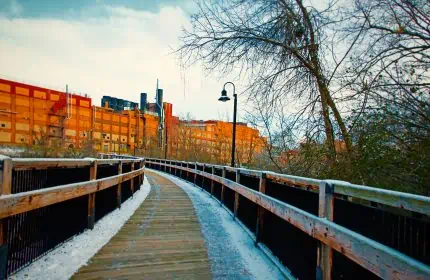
[232, 252]
[66, 259]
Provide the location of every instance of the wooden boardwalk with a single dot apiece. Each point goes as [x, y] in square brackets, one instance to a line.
[162, 240]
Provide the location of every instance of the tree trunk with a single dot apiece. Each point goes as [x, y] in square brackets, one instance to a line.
[339, 120]
[324, 93]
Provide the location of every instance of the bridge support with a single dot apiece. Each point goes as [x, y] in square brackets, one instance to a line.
[325, 210]
[5, 188]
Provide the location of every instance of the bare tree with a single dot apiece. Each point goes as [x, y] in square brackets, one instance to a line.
[391, 65]
[280, 46]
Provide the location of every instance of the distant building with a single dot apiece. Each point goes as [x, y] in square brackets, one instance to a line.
[31, 115]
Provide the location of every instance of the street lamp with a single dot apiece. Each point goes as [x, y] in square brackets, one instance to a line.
[225, 98]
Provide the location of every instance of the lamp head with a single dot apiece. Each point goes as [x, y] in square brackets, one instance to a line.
[224, 96]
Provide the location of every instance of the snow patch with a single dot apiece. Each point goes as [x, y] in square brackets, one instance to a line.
[232, 252]
[63, 261]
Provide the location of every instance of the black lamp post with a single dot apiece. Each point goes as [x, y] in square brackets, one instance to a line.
[225, 98]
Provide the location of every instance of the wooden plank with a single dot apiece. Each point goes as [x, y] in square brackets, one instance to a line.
[41, 163]
[115, 161]
[324, 252]
[411, 202]
[25, 163]
[22, 202]
[382, 260]
[144, 249]
[300, 182]
[92, 198]
[118, 189]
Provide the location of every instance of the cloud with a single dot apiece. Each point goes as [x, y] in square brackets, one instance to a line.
[121, 54]
[11, 8]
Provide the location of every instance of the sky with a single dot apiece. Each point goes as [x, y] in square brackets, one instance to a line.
[108, 47]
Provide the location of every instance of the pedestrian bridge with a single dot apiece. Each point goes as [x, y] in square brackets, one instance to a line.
[305, 228]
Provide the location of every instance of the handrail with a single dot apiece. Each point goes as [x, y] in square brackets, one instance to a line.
[382, 260]
[411, 202]
[23, 163]
[25, 187]
[13, 204]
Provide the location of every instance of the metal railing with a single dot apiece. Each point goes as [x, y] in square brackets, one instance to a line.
[339, 229]
[44, 202]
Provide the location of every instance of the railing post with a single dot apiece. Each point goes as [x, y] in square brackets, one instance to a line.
[132, 180]
[236, 195]
[141, 165]
[170, 167]
[222, 185]
[203, 177]
[143, 174]
[118, 191]
[195, 174]
[324, 252]
[92, 197]
[5, 188]
[180, 171]
[212, 181]
[260, 212]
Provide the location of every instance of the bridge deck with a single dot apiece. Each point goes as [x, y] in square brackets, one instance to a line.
[161, 240]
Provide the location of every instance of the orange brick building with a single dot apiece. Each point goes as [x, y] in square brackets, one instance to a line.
[211, 141]
[31, 115]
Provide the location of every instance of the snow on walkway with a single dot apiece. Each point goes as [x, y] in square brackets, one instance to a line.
[63, 261]
[232, 252]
